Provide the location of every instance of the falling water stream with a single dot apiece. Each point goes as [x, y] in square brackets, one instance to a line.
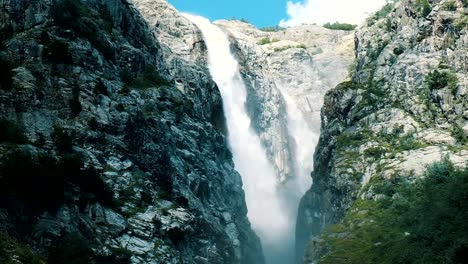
[270, 210]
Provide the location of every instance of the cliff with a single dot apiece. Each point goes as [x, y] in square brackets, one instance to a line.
[113, 143]
[300, 64]
[403, 110]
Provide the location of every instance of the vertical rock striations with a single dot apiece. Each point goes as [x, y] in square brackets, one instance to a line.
[112, 137]
[284, 71]
[404, 109]
[296, 61]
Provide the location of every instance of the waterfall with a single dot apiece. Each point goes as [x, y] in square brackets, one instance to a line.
[260, 182]
[305, 141]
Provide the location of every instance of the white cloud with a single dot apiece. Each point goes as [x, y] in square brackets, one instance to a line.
[323, 11]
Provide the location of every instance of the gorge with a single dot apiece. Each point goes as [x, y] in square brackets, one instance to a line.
[133, 133]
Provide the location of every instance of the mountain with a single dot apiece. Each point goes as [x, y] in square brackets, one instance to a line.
[404, 110]
[113, 142]
[115, 148]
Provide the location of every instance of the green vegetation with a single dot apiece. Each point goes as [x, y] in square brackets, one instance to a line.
[340, 26]
[459, 134]
[399, 50]
[267, 40]
[423, 7]
[243, 20]
[272, 29]
[450, 6]
[461, 23]
[300, 46]
[383, 13]
[420, 222]
[436, 80]
[12, 252]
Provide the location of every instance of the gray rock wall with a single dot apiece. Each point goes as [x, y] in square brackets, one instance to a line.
[305, 62]
[122, 90]
[392, 118]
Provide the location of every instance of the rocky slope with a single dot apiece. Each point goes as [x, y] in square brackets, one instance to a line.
[295, 62]
[405, 108]
[112, 138]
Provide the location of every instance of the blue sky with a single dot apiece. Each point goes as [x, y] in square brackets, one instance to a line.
[259, 12]
[283, 12]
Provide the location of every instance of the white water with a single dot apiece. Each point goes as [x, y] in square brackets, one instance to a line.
[260, 183]
[305, 141]
[272, 209]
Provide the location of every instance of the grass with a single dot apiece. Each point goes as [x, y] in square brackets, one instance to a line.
[267, 40]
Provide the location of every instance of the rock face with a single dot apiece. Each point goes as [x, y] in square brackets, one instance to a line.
[294, 62]
[404, 109]
[112, 137]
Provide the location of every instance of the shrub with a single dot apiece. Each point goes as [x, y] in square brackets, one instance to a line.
[459, 134]
[374, 152]
[436, 80]
[451, 6]
[461, 23]
[423, 222]
[272, 29]
[399, 50]
[339, 26]
[300, 46]
[267, 40]
[13, 252]
[384, 11]
[423, 7]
